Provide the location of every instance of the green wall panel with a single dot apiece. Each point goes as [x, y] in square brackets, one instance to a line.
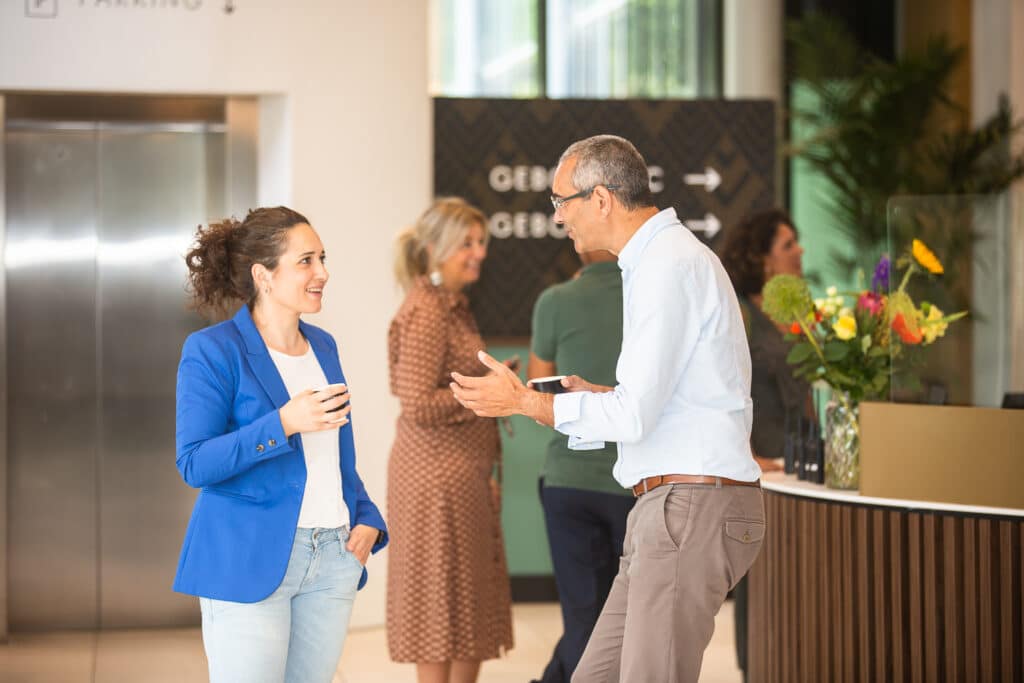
[526, 542]
[811, 194]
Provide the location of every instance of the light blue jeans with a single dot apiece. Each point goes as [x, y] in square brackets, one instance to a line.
[295, 635]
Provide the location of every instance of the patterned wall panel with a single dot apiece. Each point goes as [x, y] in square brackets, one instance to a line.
[499, 155]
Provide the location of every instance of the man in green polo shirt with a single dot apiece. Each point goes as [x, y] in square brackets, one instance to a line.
[577, 330]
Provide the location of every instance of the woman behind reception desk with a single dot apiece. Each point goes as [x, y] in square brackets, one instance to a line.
[763, 245]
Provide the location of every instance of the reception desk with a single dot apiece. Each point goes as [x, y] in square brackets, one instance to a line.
[855, 588]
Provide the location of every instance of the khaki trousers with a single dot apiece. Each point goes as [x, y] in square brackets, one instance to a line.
[686, 546]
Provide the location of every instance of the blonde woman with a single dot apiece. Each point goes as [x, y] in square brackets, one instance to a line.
[448, 590]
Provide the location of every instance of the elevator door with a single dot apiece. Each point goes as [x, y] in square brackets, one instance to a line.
[98, 218]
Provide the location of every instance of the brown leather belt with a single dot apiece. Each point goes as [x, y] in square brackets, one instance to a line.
[651, 483]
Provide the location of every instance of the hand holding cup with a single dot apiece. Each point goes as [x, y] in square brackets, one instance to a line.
[316, 410]
[548, 385]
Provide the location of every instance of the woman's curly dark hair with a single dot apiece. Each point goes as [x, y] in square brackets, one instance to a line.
[746, 246]
[221, 259]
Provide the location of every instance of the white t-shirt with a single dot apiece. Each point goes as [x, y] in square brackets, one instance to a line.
[322, 502]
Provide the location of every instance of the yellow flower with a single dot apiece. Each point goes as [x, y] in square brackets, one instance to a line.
[927, 259]
[932, 326]
[846, 327]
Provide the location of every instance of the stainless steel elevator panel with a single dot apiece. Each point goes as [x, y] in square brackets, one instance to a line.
[98, 217]
[52, 424]
[155, 191]
[3, 384]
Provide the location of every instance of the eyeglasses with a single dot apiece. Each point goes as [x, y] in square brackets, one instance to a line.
[559, 202]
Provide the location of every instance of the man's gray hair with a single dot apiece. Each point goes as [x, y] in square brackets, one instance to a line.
[611, 161]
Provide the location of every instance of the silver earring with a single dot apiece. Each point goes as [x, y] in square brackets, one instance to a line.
[435, 278]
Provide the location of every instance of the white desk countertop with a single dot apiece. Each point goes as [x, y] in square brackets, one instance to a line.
[788, 484]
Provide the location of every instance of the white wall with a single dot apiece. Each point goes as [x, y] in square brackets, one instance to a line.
[345, 138]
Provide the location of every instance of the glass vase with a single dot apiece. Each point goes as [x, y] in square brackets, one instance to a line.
[842, 442]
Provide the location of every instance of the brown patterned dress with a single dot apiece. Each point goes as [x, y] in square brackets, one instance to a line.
[448, 586]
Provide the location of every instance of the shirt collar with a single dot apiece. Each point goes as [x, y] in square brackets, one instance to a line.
[630, 255]
[599, 267]
[247, 328]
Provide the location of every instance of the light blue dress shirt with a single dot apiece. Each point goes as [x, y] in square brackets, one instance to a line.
[682, 403]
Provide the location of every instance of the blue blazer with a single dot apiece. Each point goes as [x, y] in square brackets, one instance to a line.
[231, 445]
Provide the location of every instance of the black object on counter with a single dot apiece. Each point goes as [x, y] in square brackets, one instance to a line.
[1013, 400]
[791, 461]
[804, 451]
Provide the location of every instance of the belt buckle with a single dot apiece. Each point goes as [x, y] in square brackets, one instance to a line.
[644, 480]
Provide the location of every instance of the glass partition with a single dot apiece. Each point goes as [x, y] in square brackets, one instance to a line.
[935, 360]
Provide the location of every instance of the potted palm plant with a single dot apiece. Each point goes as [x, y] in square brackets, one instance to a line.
[870, 129]
[873, 134]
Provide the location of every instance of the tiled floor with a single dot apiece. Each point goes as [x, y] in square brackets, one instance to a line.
[176, 655]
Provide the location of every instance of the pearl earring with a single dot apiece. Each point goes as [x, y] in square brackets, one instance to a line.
[435, 278]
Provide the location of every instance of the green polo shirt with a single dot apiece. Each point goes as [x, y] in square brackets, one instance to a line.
[578, 326]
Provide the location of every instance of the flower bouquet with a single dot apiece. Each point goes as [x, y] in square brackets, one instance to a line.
[854, 342]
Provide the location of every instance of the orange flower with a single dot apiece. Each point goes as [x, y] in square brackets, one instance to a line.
[795, 328]
[908, 335]
[925, 256]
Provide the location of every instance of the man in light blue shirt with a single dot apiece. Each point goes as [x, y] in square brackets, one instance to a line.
[680, 413]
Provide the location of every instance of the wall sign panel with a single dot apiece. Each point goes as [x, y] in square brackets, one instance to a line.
[713, 160]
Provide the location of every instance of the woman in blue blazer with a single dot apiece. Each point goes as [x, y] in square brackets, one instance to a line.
[282, 527]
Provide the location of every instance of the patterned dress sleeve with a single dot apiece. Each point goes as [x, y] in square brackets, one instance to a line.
[420, 376]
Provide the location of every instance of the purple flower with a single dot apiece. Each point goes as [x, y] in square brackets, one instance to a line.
[880, 280]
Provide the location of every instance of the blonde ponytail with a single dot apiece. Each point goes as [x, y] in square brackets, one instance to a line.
[411, 259]
[434, 237]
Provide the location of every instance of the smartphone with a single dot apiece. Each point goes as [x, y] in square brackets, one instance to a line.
[512, 363]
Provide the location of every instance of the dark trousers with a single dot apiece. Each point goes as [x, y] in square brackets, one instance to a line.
[585, 530]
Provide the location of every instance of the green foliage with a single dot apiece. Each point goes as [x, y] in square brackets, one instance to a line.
[801, 352]
[836, 350]
[872, 136]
